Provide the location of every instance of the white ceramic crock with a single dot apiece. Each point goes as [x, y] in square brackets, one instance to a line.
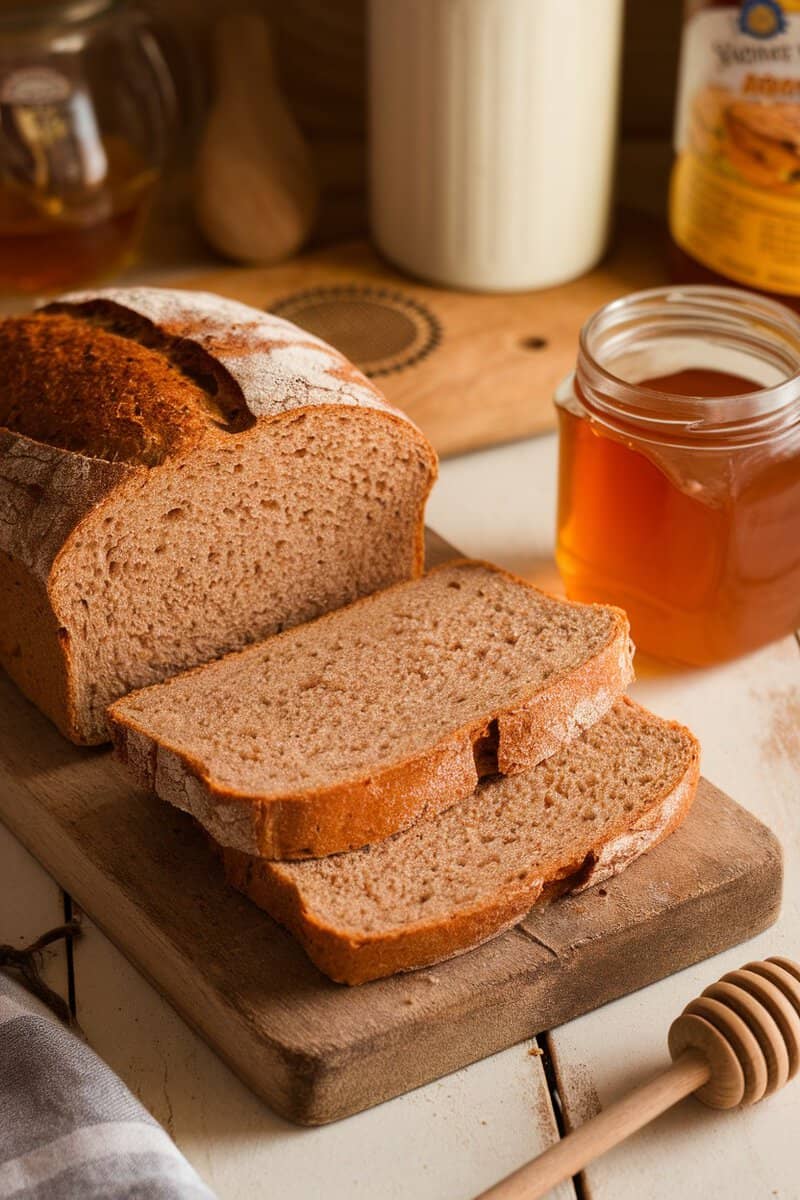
[492, 136]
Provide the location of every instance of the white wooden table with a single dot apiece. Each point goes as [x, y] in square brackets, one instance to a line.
[450, 1139]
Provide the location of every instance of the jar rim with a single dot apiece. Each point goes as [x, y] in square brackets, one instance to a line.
[733, 316]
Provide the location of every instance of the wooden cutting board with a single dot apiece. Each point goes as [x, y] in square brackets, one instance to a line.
[317, 1051]
[472, 370]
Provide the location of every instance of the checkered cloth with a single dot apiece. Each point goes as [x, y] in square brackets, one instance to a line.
[69, 1128]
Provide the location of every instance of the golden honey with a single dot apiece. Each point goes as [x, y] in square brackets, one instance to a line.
[86, 110]
[48, 244]
[679, 473]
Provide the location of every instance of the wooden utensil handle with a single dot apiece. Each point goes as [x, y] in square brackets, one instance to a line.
[569, 1155]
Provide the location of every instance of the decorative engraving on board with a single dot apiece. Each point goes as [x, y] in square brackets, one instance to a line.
[378, 329]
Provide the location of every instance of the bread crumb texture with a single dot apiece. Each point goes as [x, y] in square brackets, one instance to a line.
[514, 831]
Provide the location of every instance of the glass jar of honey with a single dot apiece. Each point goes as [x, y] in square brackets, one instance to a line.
[86, 106]
[679, 472]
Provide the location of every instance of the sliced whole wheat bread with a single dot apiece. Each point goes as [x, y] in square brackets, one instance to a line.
[461, 877]
[181, 475]
[345, 730]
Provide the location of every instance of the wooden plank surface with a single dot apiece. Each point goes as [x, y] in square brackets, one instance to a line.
[317, 1051]
[747, 716]
[447, 1139]
[490, 372]
[32, 903]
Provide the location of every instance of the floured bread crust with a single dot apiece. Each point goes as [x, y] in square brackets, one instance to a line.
[276, 366]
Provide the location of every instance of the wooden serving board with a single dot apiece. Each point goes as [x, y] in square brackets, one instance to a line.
[317, 1051]
[471, 369]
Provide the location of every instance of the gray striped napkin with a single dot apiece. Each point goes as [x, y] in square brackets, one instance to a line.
[69, 1128]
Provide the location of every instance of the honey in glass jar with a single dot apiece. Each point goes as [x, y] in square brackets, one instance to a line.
[679, 471]
[86, 104]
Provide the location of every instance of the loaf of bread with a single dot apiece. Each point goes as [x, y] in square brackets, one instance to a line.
[344, 730]
[461, 877]
[181, 475]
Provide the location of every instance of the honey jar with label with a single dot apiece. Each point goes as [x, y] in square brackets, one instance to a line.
[679, 471]
[734, 207]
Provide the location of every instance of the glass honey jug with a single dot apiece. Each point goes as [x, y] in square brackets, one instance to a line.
[86, 105]
[679, 470]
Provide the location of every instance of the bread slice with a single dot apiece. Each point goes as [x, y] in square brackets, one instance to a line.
[181, 475]
[461, 877]
[342, 731]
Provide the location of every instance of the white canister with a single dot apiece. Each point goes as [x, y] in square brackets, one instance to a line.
[492, 136]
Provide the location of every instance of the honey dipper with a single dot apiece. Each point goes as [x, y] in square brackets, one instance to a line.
[735, 1044]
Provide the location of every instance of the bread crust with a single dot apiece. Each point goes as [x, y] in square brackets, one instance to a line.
[46, 497]
[356, 811]
[350, 958]
[50, 495]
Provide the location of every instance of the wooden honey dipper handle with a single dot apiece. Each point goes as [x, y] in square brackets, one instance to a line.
[735, 1044]
[617, 1122]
